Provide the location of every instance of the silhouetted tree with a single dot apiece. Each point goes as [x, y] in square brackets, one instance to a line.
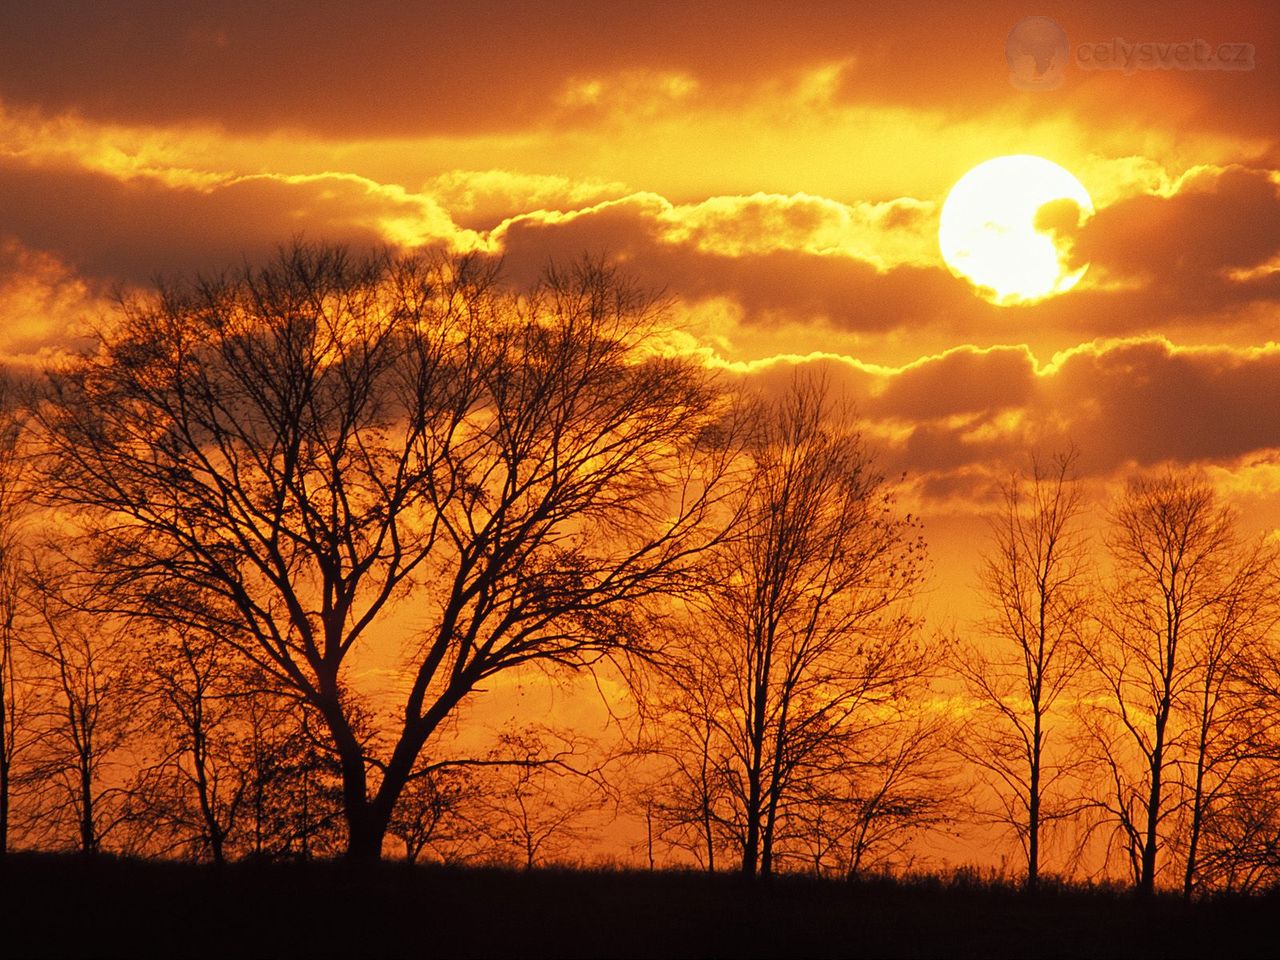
[303, 446]
[1225, 720]
[682, 742]
[804, 646]
[197, 712]
[14, 712]
[537, 792]
[1168, 622]
[864, 815]
[1034, 581]
[89, 705]
[432, 813]
[293, 803]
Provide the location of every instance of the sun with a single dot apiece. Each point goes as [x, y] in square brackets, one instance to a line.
[996, 232]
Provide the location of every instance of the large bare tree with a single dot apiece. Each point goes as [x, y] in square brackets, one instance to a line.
[1033, 577]
[305, 447]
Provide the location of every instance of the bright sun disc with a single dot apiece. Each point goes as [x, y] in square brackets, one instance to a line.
[987, 230]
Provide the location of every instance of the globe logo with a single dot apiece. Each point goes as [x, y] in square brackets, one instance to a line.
[1037, 53]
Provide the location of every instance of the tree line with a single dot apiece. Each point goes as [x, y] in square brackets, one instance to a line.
[257, 485]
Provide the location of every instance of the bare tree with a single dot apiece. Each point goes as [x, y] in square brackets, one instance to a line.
[805, 643]
[537, 797]
[1173, 547]
[866, 814]
[1225, 721]
[89, 707]
[13, 494]
[432, 812]
[294, 794]
[303, 447]
[12, 709]
[1239, 846]
[683, 751]
[197, 710]
[1033, 578]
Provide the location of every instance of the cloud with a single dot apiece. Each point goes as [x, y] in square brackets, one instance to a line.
[957, 420]
[779, 258]
[44, 306]
[485, 198]
[385, 68]
[132, 231]
[961, 381]
[1214, 221]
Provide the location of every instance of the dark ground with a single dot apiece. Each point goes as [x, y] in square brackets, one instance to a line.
[63, 906]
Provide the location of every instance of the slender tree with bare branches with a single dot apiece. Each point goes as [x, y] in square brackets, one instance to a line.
[1177, 558]
[89, 712]
[14, 702]
[805, 646]
[1034, 580]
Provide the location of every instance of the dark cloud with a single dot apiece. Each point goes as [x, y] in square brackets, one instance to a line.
[1157, 264]
[386, 68]
[1148, 402]
[956, 418]
[962, 381]
[779, 284]
[131, 232]
[1217, 221]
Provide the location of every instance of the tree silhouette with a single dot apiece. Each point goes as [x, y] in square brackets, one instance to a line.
[303, 447]
[15, 709]
[536, 796]
[89, 707]
[433, 813]
[1033, 577]
[790, 670]
[1172, 615]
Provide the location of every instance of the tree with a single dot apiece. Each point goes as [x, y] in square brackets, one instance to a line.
[1034, 579]
[805, 645]
[535, 798]
[1226, 724]
[1173, 547]
[432, 813]
[864, 815]
[294, 787]
[197, 711]
[304, 447]
[89, 715]
[680, 740]
[1240, 838]
[13, 494]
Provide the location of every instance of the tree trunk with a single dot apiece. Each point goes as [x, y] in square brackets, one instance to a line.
[771, 817]
[751, 850]
[709, 837]
[4, 766]
[1147, 875]
[1197, 804]
[1033, 811]
[4, 801]
[88, 840]
[365, 834]
[213, 829]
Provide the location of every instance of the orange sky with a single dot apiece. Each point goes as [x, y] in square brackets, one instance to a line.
[778, 170]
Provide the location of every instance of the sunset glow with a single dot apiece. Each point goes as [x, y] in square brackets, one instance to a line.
[652, 435]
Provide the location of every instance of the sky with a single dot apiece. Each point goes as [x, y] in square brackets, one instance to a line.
[778, 169]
